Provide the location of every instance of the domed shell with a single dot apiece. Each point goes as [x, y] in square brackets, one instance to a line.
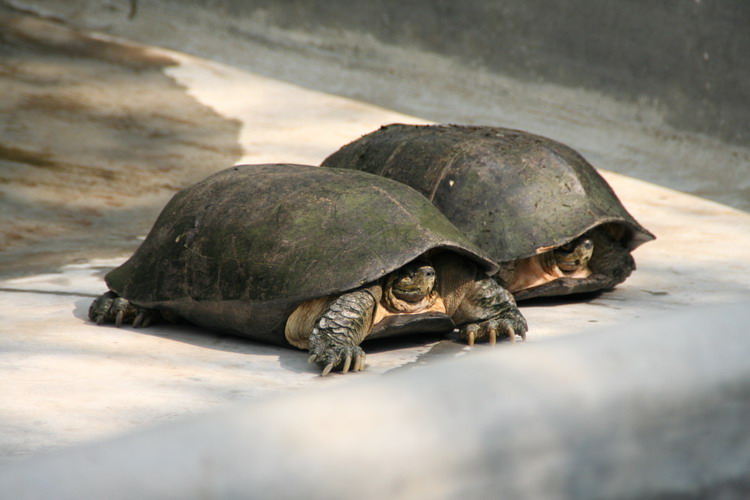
[513, 193]
[240, 250]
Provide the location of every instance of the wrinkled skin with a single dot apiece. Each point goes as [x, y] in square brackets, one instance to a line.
[486, 312]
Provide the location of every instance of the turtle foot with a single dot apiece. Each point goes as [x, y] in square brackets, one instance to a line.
[111, 308]
[493, 330]
[335, 339]
[327, 351]
[497, 314]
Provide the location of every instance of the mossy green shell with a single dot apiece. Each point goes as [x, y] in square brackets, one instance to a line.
[240, 250]
[511, 192]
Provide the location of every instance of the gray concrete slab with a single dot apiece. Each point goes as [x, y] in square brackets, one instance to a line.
[64, 381]
[649, 409]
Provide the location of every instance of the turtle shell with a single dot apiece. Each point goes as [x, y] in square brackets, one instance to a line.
[239, 251]
[513, 193]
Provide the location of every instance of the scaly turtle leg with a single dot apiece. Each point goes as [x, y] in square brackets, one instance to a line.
[487, 312]
[335, 339]
[111, 308]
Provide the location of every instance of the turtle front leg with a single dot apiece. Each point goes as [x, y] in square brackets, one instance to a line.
[487, 312]
[111, 308]
[338, 332]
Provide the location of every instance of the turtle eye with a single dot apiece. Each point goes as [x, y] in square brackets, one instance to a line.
[429, 272]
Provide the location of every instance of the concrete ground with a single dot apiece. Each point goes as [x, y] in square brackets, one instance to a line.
[79, 193]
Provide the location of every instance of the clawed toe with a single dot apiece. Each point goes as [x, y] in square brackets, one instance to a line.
[347, 363]
[489, 331]
[349, 359]
[110, 308]
[511, 334]
[470, 332]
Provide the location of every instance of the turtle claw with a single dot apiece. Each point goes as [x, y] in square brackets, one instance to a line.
[351, 360]
[488, 331]
[326, 369]
[347, 363]
[359, 362]
[334, 340]
[110, 308]
[329, 353]
[495, 311]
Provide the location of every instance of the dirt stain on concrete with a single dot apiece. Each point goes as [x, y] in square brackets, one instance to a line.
[94, 139]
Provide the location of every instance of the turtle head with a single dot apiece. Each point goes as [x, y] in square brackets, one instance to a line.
[593, 262]
[411, 288]
[575, 255]
[412, 282]
[538, 272]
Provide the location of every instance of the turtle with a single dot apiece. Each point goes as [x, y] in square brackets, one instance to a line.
[545, 215]
[309, 257]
